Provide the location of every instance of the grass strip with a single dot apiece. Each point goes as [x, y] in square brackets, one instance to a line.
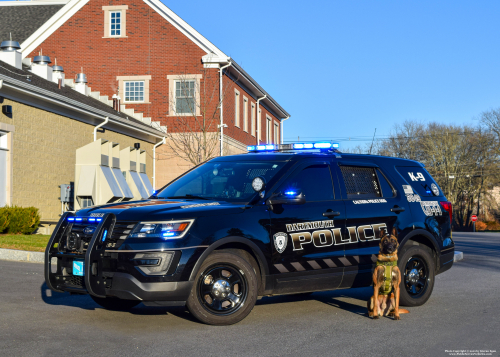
[34, 243]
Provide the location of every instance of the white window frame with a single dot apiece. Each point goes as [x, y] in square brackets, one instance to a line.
[252, 116]
[118, 22]
[245, 114]
[121, 87]
[122, 9]
[268, 129]
[125, 89]
[175, 78]
[276, 132]
[236, 108]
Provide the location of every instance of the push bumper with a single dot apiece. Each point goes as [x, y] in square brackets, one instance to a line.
[97, 279]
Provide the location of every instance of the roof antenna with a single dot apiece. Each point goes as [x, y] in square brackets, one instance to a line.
[372, 141]
[10, 35]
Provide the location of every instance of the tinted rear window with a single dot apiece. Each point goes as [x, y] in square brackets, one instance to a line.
[419, 179]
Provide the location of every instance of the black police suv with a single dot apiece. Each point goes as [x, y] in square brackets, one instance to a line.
[274, 221]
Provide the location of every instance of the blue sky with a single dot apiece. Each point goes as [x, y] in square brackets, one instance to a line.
[344, 68]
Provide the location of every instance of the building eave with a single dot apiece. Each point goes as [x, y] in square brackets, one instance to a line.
[46, 100]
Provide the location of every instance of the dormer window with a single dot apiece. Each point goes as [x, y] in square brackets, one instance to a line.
[115, 21]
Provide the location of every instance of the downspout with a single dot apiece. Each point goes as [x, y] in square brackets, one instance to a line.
[97, 127]
[221, 126]
[163, 141]
[259, 119]
[282, 120]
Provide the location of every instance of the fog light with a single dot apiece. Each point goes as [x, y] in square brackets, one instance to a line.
[153, 263]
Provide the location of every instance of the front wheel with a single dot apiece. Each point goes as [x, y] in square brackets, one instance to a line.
[225, 290]
[116, 304]
[418, 271]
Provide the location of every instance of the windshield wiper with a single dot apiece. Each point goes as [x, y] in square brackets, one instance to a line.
[190, 196]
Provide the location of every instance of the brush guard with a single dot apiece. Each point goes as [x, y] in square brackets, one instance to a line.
[95, 281]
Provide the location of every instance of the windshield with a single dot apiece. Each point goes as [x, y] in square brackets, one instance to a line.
[228, 181]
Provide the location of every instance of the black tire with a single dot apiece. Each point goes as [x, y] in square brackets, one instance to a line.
[115, 304]
[417, 275]
[224, 291]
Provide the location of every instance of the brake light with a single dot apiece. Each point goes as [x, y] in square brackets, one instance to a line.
[448, 208]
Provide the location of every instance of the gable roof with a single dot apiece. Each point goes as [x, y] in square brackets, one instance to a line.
[215, 57]
[23, 21]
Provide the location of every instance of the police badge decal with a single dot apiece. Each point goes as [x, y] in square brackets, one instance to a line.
[280, 240]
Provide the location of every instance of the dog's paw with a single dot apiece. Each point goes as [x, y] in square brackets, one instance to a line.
[397, 318]
[375, 317]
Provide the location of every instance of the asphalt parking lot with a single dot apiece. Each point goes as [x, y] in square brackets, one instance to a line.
[462, 314]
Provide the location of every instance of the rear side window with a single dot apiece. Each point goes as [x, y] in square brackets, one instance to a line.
[361, 182]
[314, 181]
[419, 180]
[387, 190]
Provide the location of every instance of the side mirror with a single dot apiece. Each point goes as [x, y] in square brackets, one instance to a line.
[287, 198]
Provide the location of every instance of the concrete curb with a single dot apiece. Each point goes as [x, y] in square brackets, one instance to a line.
[458, 256]
[22, 255]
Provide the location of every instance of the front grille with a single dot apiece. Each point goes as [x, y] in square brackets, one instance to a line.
[114, 241]
[74, 280]
[120, 232]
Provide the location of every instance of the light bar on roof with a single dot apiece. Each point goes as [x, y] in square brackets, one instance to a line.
[293, 147]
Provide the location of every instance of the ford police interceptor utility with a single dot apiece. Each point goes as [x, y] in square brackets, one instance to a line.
[280, 219]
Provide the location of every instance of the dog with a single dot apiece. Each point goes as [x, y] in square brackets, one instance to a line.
[386, 279]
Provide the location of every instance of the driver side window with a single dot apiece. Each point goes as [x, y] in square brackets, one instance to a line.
[315, 182]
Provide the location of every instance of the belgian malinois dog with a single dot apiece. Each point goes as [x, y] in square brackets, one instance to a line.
[386, 279]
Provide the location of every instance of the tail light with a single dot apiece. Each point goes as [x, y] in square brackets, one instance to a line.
[448, 208]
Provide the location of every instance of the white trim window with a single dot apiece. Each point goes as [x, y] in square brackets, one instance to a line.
[276, 131]
[134, 91]
[269, 129]
[245, 114]
[252, 115]
[236, 108]
[185, 100]
[115, 23]
[184, 94]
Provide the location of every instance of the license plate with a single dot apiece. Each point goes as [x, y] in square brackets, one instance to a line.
[78, 266]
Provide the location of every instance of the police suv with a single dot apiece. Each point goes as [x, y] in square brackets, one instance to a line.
[281, 219]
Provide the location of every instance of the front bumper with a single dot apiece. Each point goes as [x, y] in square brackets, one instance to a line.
[102, 276]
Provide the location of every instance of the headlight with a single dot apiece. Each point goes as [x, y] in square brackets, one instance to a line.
[165, 230]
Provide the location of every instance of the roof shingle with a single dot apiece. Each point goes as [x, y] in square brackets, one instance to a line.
[23, 21]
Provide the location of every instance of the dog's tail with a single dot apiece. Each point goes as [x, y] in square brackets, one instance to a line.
[403, 311]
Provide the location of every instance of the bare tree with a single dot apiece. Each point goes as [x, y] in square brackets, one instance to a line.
[462, 159]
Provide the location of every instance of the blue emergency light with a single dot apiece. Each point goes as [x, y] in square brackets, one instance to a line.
[88, 219]
[293, 147]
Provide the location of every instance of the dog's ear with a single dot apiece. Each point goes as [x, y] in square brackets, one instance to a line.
[382, 232]
[394, 232]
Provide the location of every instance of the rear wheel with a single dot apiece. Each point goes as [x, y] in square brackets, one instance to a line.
[225, 290]
[111, 303]
[418, 271]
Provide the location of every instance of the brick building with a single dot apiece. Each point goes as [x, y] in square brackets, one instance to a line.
[163, 70]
